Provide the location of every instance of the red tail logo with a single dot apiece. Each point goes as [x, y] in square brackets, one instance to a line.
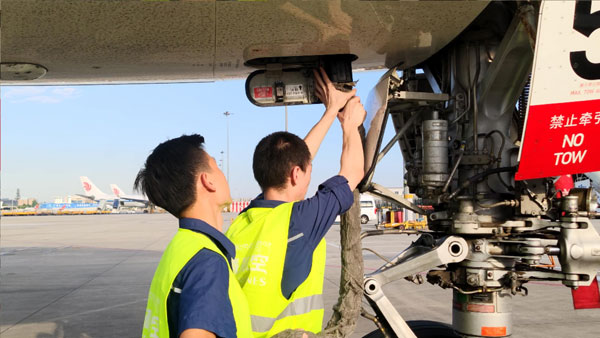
[87, 186]
[116, 191]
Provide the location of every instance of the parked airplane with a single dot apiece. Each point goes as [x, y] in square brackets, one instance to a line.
[92, 191]
[122, 195]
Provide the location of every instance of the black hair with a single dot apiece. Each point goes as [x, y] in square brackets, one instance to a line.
[275, 156]
[169, 176]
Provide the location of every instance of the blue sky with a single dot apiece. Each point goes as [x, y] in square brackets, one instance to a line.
[51, 135]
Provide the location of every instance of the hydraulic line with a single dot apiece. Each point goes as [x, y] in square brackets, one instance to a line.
[460, 156]
[511, 203]
[378, 255]
[499, 156]
[475, 104]
[457, 80]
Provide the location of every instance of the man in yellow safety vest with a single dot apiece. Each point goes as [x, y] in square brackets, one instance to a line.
[279, 238]
[194, 292]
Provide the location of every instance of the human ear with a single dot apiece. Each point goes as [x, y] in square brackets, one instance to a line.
[206, 181]
[295, 175]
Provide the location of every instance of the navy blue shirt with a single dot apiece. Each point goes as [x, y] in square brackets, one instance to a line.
[310, 220]
[199, 298]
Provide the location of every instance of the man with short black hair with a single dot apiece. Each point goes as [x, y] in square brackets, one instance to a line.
[194, 292]
[280, 236]
[275, 155]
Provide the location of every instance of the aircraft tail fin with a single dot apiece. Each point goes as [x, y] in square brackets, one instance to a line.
[90, 188]
[116, 190]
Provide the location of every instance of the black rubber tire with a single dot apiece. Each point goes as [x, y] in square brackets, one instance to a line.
[424, 329]
[364, 219]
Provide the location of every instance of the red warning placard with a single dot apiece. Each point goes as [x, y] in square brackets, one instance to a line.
[561, 138]
[263, 92]
[562, 128]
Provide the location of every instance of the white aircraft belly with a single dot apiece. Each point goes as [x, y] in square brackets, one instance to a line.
[139, 41]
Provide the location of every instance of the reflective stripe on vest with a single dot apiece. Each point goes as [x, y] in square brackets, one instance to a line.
[297, 307]
[261, 239]
[184, 245]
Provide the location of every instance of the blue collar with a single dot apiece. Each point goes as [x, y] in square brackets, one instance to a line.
[261, 203]
[222, 242]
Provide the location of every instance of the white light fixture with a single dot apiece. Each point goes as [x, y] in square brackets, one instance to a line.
[16, 71]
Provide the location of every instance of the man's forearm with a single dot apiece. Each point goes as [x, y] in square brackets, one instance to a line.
[316, 135]
[352, 159]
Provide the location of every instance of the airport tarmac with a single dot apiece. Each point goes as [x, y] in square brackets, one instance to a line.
[88, 277]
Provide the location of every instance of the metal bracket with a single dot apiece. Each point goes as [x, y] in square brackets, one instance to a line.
[422, 98]
[413, 260]
[541, 275]
[579, 251]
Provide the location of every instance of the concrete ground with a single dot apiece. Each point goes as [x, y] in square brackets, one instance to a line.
[88, 276]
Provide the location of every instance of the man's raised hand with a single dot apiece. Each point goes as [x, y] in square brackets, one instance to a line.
[353, 114]
[333, 99]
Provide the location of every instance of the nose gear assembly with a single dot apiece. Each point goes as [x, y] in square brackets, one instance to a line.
[458, 119]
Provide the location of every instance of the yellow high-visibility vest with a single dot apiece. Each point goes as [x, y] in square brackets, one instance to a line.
[180, 250]
[261, 239]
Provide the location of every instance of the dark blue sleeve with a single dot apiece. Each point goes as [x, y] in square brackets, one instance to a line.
[310, 221]
[314, 216]
[204, 300]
